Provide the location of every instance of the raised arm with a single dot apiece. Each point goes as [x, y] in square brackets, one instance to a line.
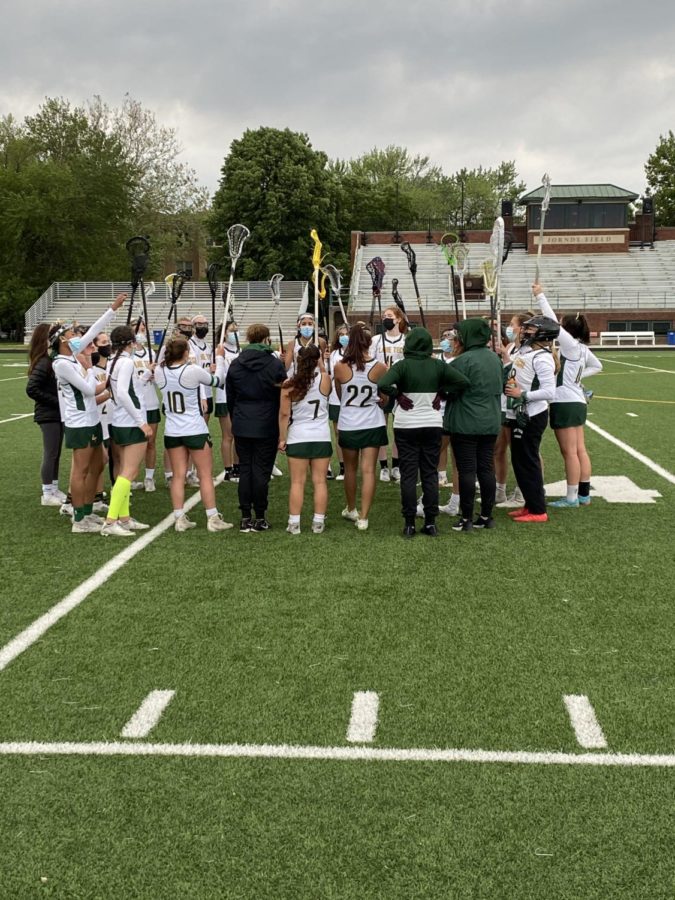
[568, 344]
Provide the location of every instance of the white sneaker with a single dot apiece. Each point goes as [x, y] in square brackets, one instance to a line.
[50, 500]
[100, 507]
[85, 527]
[168, 479]
[350, 514]
[443, 479]
[293, 528]
[276, 472]
[217, 523]
[451, 508]
[500, 496]
[97, 520]
[149, 485]
[116, 529]
[66, 509]
[191, 479]
[133, 525]
[396, 474]
[362, 524]
[340, 477]
[318, 527]
[514, 500]
[57, 493]
[137, 485]
[384, 474]
[184, 524]
[420, 509]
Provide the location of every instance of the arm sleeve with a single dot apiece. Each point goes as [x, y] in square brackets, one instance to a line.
[568, 344]
[37, 387]
[454, 382]
[545, 371]
[231, 389]
[195, 376]
[389, 383]
[99, 325]
[593, 365]
[125, 372]
[67, 372]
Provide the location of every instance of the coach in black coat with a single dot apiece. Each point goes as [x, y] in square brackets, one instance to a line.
[42, 390]
[253, 388]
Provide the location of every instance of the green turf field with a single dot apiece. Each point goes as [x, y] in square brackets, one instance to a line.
[471, 642]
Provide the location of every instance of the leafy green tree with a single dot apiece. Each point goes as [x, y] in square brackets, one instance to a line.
[660, 172]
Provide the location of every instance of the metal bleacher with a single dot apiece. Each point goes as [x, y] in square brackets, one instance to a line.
[85, 301]
[639, 279]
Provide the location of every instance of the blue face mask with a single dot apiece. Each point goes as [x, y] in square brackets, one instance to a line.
[344, 340]
[75, 344]
[446, 346]
[510, 333]
[307, 331]
[232, 337]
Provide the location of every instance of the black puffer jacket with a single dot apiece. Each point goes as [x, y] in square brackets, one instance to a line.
[253, 392]
[42, 389]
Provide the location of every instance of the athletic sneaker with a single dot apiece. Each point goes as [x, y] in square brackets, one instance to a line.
[245, 525]
[276, 472]
[451, 508]
[116, 529]
[137, 485]
[564, 503]
[168, 479]
[430, 530]
[408, 531]
[318, 527]
[482, 522]
[384, 474]
[84, 526]
[517, 513]
[50, 500]
[584, 501]
[294, 528]
[97, 520]
[66, 509]
[217, 523]
[149, 485]
[184, 524]
[532, 517]
[515, 498]
[500, 496]
[443, 479]
[362, 524]
[191, 479]
[462, 525]
[260, 525]
[340, 477]
[100, 507]
[396, 474]
[133, 525]
[329, 474]
[351, 514]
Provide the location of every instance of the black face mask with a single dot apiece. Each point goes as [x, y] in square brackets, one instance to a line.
[201, 331]
[185, 333]
[388, 324]
[104, 351]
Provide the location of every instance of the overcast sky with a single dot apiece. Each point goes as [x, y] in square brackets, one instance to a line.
[579, 89]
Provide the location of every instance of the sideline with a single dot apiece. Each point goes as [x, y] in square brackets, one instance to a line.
[636, 366]
[634, 400]
[16, 418]
[645, 460]
[35, 631]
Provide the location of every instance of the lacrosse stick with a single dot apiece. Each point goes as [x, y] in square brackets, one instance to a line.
[334, 276]
[398, 300]
[448, 250]
[236, 238]
[149, 292]
[212, 278]
[174, 284]
[138, 249]
[497, 249]
[275, 291]
[375, 269]
[462, 262]
[412, 265]
[546, 199]
[316, 264]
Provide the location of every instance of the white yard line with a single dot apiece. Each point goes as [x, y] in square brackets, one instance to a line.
[34, 632]
[352, 754]
[633, 415]
[584, 722]
[363, 721]
[148, 714]
[655, 467]
[636, 366]
[15, 418]
[15, 378]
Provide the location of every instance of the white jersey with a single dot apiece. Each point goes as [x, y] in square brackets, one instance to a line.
[230, 355]
[309, 416]
[103, 409]
[77, 392]
[506, 361]
[202, 357]
[534, 372]
[335, 358]
[359, 407]
[128, 410]
[393, 347]
[576, 362]
[180, 386]
[144, 384]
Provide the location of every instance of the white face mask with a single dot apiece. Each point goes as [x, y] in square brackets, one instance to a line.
[141, 338]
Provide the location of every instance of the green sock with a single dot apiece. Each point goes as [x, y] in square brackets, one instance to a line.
[79, 512]
[88, 509]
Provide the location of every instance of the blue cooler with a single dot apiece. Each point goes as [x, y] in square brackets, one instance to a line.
[156, 336]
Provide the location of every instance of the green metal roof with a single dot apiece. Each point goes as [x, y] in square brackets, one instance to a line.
[562, 192]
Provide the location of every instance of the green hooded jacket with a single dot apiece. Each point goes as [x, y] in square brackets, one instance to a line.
[420, 377]
[478, 409]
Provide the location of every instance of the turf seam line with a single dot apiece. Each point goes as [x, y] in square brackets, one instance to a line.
[363, 720]
[655, 467]
[16, 418]
[349, 754]
[584, 722]
[41, 625]
[148, 714]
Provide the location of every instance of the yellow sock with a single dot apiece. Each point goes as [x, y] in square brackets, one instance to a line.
[125, 512]
[119, 498]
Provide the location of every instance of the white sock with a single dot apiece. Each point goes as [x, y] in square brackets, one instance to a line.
[211, 512]
[177, 513]
[55, 485]
[150, 473]
[47, 489]
[572, 492]
[317, 517]
[168, 474]
[454, 498]
[294, 520]
[501, 487]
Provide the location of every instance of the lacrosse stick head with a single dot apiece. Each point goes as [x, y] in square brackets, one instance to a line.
[212, 277]
[449, 242]
[236, 238]
[138, 249]
[412, 256]
[334, 276]
[497, 244]
[174, 283]
[375, 269]
[461, 252]
[546, 199]
[275, 287]
[316, 253]
[489, 277]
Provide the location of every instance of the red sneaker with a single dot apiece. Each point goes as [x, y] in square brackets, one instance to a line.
[517, 513]
[533, 517]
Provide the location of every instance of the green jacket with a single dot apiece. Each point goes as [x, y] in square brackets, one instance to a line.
[420, 377]
[478, 409]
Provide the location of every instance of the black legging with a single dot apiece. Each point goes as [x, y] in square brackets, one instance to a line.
[52, 438]
[474, 455]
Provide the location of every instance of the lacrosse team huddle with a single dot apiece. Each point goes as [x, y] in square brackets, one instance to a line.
[483, 400]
